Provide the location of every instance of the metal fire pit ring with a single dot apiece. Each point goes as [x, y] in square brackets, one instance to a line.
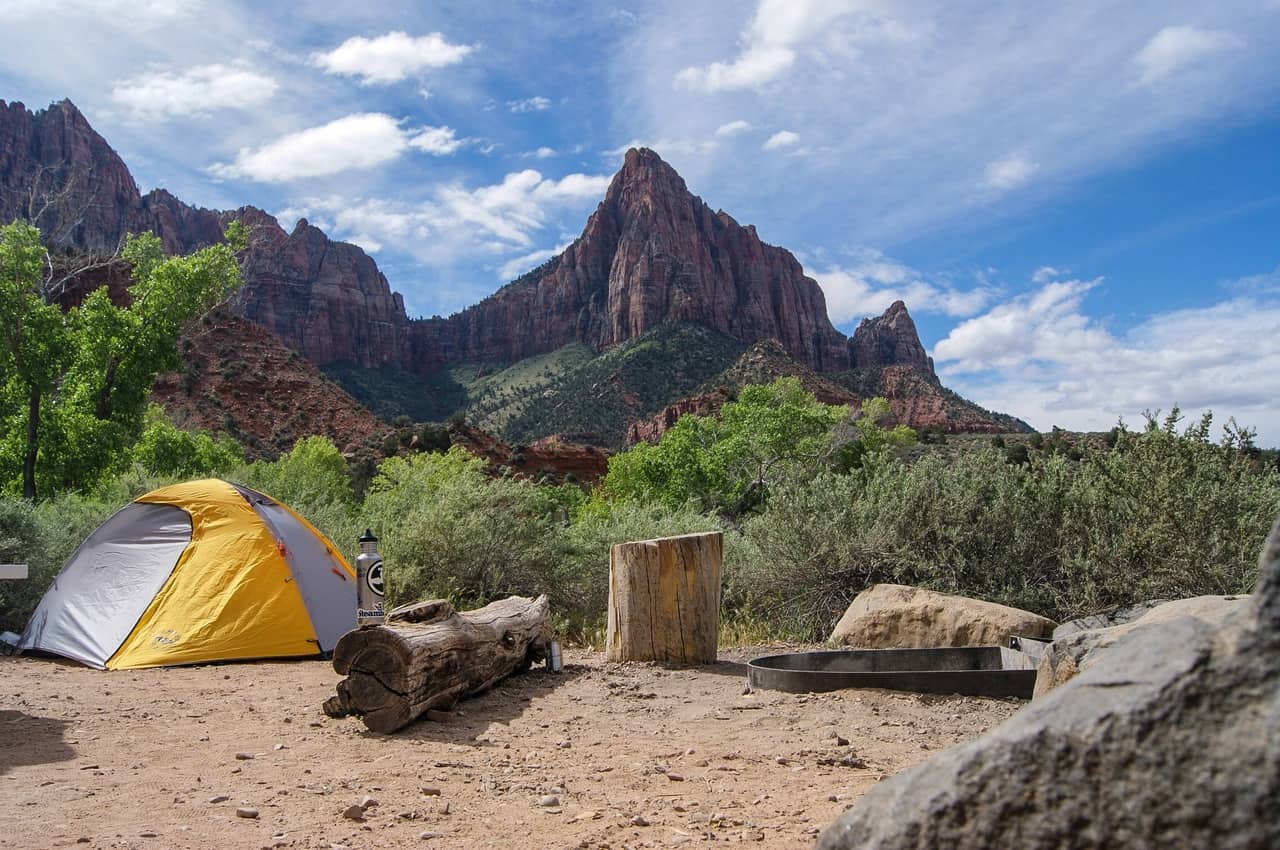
[984, 671]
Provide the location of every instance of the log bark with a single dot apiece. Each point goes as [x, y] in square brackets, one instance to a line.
[664, 599]
[399, 670]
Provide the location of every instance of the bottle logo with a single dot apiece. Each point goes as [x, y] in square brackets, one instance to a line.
[373, 578]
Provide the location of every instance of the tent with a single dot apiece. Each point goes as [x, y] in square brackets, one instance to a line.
[196, 572]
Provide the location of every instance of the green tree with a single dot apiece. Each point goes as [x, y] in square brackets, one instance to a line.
[868, 434]
[727, 462]
[167, 451]
[75, 383]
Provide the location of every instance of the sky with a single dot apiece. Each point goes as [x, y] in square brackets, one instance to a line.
[1078, 202]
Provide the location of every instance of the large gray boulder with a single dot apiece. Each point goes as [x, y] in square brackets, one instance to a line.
[1172, 740]
[892, 616]
[1107, 619]
[1078, 651]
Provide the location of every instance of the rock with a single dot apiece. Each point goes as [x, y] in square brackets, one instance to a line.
[1114, 617]
[1169, 740]
[244, 756]
[219, 798]
[368, 802]
[639, 820]
[353, 812]
[887, 616]
[1078, 651]
[549, 801]
[890, 339]
[246, 812]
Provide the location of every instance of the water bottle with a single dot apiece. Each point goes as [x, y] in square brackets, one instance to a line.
[369, 582]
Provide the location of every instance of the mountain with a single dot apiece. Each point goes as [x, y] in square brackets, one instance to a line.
[657, 297]
[324, 299]
[239, 379]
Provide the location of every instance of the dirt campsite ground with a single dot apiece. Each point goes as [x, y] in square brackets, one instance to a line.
[601, 755]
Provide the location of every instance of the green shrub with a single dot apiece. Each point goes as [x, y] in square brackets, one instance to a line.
[449, 530]
[1162, 515]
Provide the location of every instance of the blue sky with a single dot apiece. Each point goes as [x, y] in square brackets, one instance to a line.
[1080, 203]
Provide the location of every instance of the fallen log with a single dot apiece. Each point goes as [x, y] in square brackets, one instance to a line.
[428, 657]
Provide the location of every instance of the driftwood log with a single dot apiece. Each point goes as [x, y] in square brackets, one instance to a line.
[664, 599]
[428, 656]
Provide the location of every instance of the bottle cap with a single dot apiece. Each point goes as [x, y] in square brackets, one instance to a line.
[368, 537]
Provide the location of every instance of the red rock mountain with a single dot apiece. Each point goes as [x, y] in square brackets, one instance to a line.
[650, 255]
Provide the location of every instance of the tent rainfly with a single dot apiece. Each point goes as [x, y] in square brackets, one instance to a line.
[197, 572]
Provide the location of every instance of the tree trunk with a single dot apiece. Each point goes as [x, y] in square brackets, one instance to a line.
[664, 599]
[33, 445]
[428, 656]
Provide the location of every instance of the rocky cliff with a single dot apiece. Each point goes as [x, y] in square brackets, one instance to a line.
[651, 256]
[652, 253]
[324, 299]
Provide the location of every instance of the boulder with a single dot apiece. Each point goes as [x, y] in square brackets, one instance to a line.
[1079, 650]
[1170, 740]
[1107, 619]
[889, 616]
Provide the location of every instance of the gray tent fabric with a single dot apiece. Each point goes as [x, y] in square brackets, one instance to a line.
[315, 568]
[104, 589]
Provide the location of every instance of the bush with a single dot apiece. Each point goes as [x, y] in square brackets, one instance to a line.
[1163, 515]
[449, 530]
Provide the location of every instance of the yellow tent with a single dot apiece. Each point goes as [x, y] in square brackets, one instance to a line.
[196, 572]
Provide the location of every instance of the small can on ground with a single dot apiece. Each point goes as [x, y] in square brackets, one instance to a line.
[369, 590]
[555, 662]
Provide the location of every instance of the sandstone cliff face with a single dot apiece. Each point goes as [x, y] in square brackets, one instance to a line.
[889, 340]
[324, 299]
[651, 253]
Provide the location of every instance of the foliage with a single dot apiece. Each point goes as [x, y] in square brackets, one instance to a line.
[447, 529]
[867, 435]
[726, 463]
[1163, 515]
[596, 399]
[164, 450]
[75, 384]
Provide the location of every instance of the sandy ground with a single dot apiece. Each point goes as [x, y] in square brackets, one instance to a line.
[633, 755]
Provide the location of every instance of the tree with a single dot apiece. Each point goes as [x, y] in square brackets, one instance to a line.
[168, 451]
[75, 383]
[727, 462]
[868, 435]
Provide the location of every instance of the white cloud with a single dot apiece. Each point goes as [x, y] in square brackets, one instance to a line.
[1041, 357]
[732, 128]
[195, 91]
[874, 281]
[390, 58]
[1175, 48]
[529, 104]
[907, 105]
[780, 139]
[780, 31]
[769, 44]
[540, 153]
[517, 266]
[362, 140]
[460, 223]
[437, 141]
[1009, 172]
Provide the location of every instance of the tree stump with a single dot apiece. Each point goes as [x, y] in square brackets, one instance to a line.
[429, 656]
[664, 599]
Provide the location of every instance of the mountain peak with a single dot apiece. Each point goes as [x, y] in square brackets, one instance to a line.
[889, 339]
